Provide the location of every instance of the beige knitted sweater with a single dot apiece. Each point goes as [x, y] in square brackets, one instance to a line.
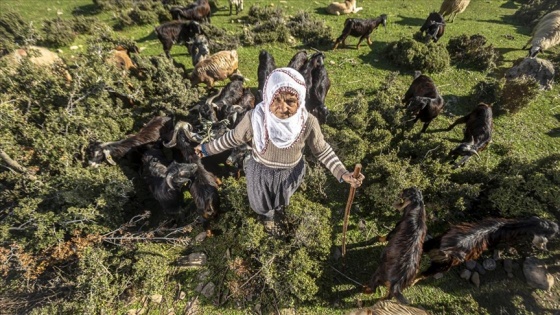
[280, 158]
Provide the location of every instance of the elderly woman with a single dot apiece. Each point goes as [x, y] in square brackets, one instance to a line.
[279, 128]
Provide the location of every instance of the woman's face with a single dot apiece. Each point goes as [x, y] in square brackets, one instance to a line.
[284, 105]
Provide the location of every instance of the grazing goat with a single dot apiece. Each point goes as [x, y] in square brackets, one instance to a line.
[546, 34]
[216, 67]
[434, 26]
[423, 100]
[238, 6]
[452, 8]
[199, 49]
[266, 65]
[97, 152]
[298, 61]
[477, 134]
[400, 259]
[337, 8]
[360, 28]
[226, 98]
[204, 188]
[467, 241]
[318, 85]
[177, 32]
[39, 56]
[166, 180]
[199, 11]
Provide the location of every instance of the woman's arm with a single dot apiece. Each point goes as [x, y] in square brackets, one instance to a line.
[231, 139]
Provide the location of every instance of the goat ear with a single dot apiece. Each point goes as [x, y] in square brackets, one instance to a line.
[108, 157]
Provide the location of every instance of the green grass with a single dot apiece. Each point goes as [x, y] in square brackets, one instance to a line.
[525, 134]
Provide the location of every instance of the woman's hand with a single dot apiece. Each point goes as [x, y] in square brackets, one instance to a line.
[354, 182]
[198, 151]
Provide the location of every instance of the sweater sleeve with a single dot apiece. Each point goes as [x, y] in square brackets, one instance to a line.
[242, 133]
[323, 151]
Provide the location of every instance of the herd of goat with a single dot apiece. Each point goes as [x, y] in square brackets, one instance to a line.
[169, 164]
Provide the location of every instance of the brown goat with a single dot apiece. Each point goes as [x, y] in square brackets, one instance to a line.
[400, 259]
[423, 100]
[216, 67]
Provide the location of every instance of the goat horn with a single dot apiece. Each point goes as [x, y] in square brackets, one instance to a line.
[168, 181]
[108, 157]
[473, 151]
[210, 100]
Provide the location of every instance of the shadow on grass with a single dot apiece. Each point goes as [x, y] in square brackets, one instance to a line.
[410, 21]
[86, 10]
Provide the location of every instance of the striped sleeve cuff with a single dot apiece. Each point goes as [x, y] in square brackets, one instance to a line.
[223, 143]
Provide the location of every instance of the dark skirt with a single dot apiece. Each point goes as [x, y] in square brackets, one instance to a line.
[270, 189]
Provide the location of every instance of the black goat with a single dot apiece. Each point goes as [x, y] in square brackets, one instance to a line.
[434, 26]
[423, 100]
[360, 28]
[400, 259]
[199, 48]
[166, 180]
[227, 97]
[199, 11]
[204, 188]
[266, 65]
[477, 134]
[318, 85]
[467, 241]
[154, 130]
[298, 61]
[178, 32]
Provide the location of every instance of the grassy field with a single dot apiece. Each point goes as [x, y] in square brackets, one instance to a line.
[531, 135]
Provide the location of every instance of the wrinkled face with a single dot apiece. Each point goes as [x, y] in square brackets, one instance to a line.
[284, 105]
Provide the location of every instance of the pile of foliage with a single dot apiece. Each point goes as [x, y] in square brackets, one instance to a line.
[531, 11]
[270, 25]
[414, 55]
[136, 12]
[14, 32]
[220, 39]
[472, 52]
[517, 93]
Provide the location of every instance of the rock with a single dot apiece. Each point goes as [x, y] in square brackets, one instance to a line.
[196, 259]
[536, 274]
[475, 278]
[74, 47]
[466, 274]
[438, 275]
[362, 225]
[200, 237]
[470, 264]
[480, 269]
[208, 290]
[136, 311]
[508, 265]
[489, 264]
[181, 295]
[156, 298]
[539, 69]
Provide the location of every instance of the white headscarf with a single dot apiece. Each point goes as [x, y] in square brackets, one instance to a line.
[266, 126]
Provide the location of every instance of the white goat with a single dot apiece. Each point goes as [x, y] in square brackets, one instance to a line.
[453, 7]
[238, 6]
[546, 34]
[349, 6]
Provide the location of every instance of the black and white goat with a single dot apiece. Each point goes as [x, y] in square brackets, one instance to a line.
[199, 48]
[423, 100]
[467, 241]
[226, 98]
[477, 134]
[361, 28]
[155, 129]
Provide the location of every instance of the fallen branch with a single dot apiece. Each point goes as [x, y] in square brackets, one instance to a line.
[12, 165]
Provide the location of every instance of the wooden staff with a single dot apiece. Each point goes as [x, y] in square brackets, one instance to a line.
[357, 170]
